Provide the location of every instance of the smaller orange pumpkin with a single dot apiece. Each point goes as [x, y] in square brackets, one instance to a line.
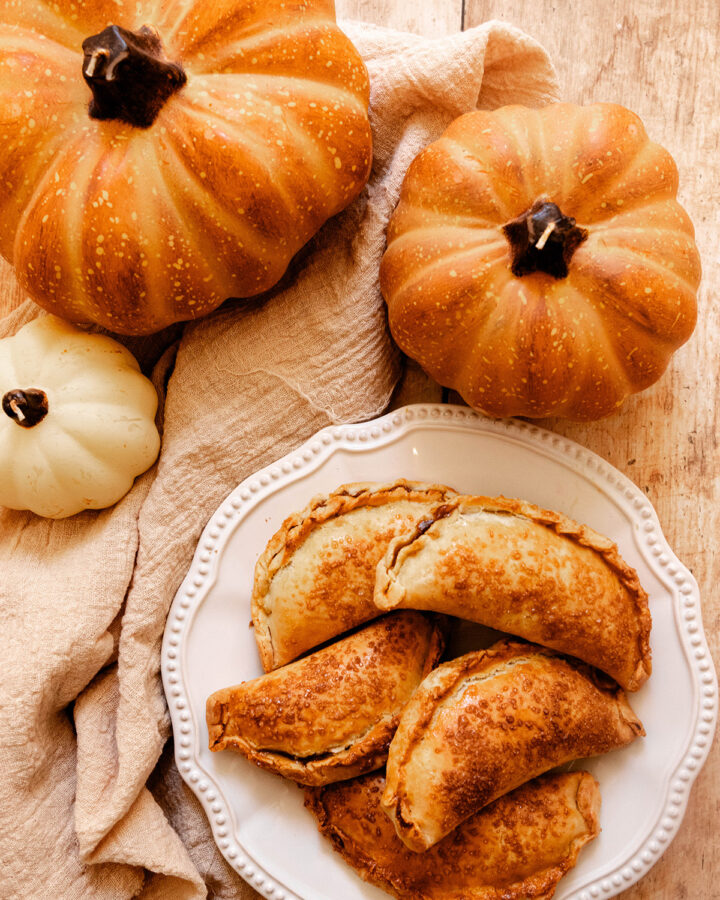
[538, 262]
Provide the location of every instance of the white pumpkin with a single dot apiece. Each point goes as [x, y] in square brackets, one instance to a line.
[77, 423]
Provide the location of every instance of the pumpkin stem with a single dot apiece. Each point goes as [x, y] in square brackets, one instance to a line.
[27, 407]
[542, 239]
[129, 75]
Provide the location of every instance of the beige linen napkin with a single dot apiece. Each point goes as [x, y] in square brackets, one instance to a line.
[87, 811]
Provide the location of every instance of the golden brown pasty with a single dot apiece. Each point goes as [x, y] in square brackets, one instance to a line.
[485, 723]
[332, 714]
[513, 566]
[516, 848]
[316, 577]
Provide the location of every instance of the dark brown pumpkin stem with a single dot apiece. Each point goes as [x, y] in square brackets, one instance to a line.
[129, 75]
[543, 240]
[26, 407]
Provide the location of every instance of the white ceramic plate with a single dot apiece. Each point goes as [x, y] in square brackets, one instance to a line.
[258, 819]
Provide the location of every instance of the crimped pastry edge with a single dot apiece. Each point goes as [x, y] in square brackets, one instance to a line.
[296, 528]
[388, 595]
[368, 754]
[438, 685]
[587, 800]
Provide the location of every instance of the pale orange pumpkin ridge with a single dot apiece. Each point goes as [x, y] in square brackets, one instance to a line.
[535, 344]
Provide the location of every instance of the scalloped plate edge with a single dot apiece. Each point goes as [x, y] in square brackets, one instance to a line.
[309, 456]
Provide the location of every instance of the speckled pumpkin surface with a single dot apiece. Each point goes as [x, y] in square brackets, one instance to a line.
[204, 150]
[539, 263]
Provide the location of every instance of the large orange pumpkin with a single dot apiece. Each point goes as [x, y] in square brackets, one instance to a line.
[159, 157]
[538, 262]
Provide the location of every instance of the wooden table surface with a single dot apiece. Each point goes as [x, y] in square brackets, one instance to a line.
[660, 61]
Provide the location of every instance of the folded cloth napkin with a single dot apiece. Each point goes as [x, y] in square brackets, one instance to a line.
[91, 806]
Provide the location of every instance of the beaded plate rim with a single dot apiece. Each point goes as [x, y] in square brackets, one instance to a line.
[653, 546]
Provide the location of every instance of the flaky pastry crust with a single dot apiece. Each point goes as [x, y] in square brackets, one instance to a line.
[483, 724]
[517, 848]
[315, 578]
[527, 571]
[331, 715]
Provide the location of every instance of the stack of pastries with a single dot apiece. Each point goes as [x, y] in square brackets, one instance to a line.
[468, 807]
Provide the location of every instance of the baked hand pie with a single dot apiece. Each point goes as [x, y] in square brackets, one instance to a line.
[316, 577]
[485, 723]
[527, 571]
[332, 714]
[516, 848]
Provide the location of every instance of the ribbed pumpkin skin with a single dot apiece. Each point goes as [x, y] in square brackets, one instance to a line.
[136, 228]
[535, 345]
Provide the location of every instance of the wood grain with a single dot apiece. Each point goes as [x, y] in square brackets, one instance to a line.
[656, 59]
[435, 17]
[659, 60]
